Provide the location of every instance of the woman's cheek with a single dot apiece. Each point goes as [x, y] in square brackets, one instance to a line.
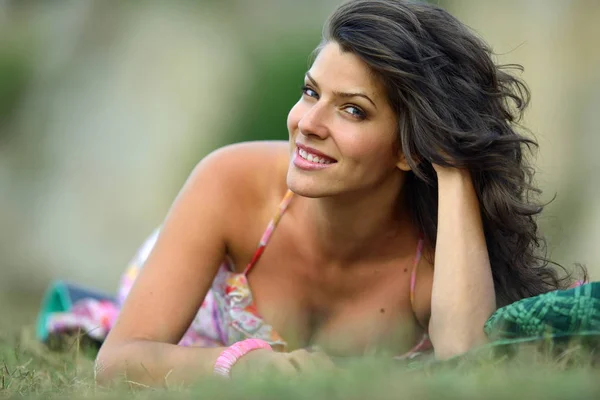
[294, 117]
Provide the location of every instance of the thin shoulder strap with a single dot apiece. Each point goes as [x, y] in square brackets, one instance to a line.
[269, 231]
[413, 274]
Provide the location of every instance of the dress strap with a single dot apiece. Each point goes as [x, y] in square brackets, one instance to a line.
[413, 274]
[269, 231]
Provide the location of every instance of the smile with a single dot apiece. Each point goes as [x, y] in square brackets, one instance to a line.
[313, 157]
[308, 159]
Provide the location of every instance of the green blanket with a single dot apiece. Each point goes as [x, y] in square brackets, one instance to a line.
[559, 314]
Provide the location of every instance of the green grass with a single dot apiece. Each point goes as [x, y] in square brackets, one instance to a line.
[28, 368]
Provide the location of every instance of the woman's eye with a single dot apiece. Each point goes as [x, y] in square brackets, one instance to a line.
[355, 112]
[309, 92]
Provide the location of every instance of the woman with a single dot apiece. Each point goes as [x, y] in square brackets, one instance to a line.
[406, 216]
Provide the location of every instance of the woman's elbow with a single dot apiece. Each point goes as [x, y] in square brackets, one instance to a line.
[107, 365]
[449, 346]
[444, 352]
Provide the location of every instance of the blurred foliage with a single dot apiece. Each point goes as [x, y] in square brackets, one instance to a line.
[15, 73]
[275, 88]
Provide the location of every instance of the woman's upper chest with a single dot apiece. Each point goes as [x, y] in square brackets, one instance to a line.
[346, 307]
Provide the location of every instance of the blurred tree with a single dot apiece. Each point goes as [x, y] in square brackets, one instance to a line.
[14, 76]
[274, 89]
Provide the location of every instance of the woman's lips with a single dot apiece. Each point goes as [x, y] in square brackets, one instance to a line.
[315, 152]
[309, 159]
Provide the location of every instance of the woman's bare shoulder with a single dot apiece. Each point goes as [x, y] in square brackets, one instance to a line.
[249, 173]
[260, 164]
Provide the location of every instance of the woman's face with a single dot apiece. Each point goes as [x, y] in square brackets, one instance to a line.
[342, 130]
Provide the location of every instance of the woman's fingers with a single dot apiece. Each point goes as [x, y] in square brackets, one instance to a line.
[301, 360]
[322, 360]
[259, 363]
[262, 362]
[305, 361]
[281, 364]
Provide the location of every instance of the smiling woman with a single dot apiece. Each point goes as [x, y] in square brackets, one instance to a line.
[344, 114]
[393, 221]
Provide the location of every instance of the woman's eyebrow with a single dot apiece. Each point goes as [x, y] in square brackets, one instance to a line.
[342, 94]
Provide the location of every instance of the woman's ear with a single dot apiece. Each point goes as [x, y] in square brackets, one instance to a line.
[402, 163]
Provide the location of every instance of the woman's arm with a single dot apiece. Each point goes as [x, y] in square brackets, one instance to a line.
[178, 273]
[463, 295]
[154, 364]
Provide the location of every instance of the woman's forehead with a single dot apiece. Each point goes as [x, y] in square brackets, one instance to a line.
[335, 69]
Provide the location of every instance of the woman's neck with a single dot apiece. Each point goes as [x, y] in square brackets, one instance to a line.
[357, 225]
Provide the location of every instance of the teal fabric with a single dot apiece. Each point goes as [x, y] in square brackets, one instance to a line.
[60, 298]
[550, 321]
[56, 299]
[561, 313]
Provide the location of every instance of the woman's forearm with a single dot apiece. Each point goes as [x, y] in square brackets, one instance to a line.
[154, 364]
[463, 295]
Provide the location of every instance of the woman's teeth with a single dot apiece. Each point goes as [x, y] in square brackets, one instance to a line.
[312, 158]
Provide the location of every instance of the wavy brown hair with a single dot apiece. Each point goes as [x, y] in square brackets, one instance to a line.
[456, 107]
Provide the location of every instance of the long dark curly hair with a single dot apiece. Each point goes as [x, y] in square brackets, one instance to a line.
[456, 107]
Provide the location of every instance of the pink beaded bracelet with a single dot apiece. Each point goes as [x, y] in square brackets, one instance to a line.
[230, 355]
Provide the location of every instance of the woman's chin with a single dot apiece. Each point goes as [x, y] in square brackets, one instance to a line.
[306, 187]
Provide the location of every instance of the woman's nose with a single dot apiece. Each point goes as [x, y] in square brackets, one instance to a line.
[314, 122]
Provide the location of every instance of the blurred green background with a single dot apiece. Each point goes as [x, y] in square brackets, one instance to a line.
[106, 106]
